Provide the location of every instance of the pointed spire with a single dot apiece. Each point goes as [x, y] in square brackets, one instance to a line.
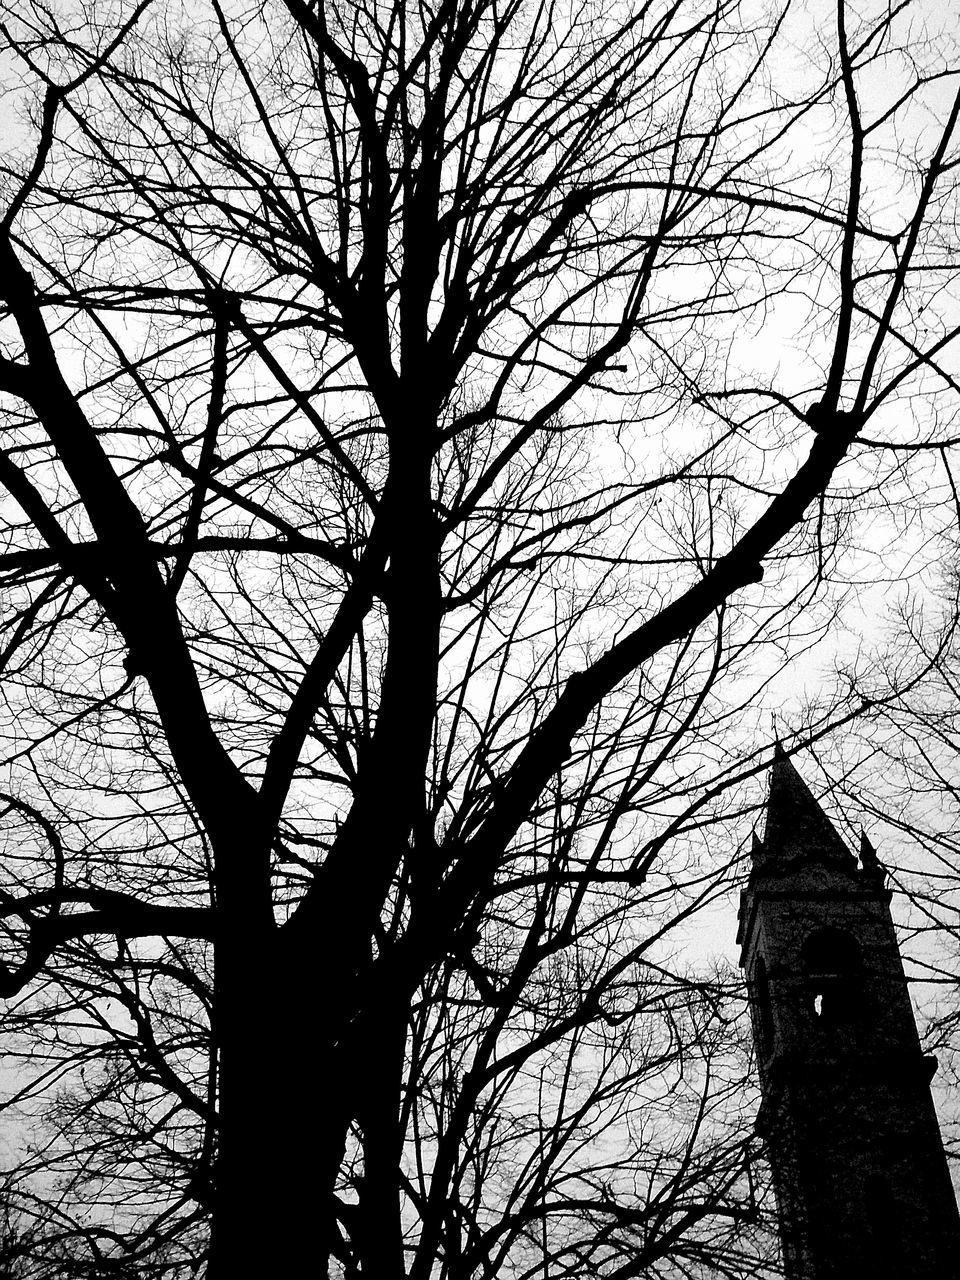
[796, 826]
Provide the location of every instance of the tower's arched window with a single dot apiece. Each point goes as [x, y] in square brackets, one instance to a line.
[761, 994]
[832, 965]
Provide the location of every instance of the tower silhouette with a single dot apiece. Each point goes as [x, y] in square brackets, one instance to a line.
[861, 1179]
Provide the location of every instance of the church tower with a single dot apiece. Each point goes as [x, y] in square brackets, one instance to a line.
[859, 1170]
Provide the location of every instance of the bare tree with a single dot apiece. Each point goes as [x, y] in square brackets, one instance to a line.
[404, 511]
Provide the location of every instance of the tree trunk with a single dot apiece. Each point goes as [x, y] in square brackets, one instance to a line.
[282, 1123]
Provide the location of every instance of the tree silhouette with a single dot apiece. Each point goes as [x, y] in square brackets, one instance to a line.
[404, 509]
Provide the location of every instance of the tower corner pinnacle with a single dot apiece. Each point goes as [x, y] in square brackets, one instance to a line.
[870, 864]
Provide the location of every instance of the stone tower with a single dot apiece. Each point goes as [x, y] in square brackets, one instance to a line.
[859, 1170]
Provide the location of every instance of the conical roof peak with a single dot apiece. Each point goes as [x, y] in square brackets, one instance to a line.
[796, 827]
